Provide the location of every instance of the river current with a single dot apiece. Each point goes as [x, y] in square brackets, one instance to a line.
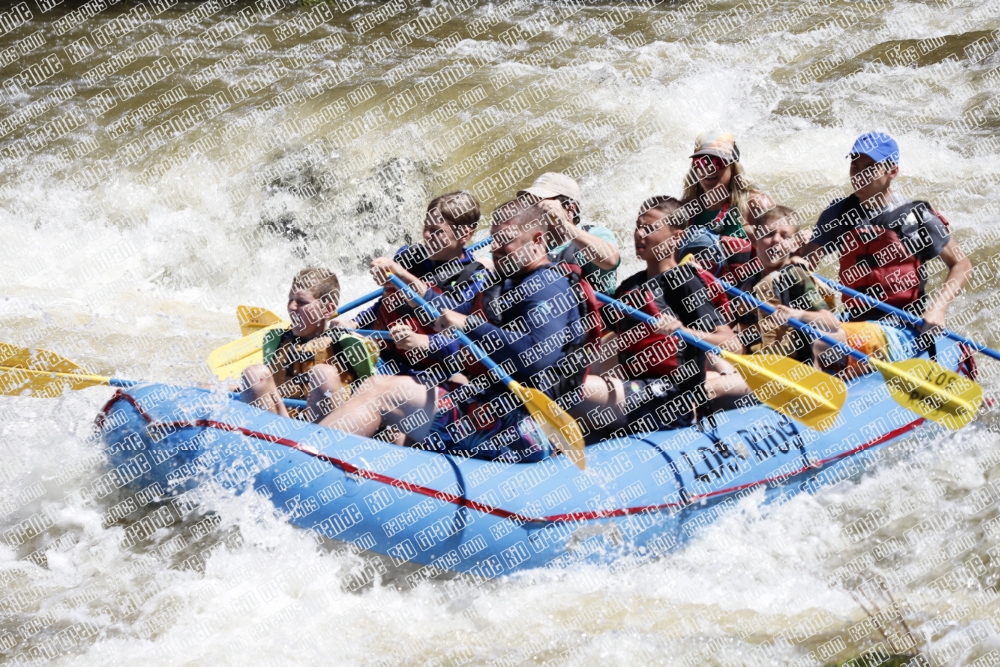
[163, 162]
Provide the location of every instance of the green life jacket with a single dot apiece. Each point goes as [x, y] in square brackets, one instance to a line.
[354, 353]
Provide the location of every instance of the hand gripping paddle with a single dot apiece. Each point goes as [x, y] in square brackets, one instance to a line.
[922, 386]
[558, 425]
[792, 388]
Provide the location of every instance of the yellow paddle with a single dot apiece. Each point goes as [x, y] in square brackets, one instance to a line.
[561, 429]
[252, 319]
[229, 360]
[792, 388]
[922, 386]
[45, 374]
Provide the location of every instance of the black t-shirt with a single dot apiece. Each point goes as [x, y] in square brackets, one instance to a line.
[683, 294]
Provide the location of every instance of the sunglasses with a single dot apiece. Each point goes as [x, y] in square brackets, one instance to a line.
[706, 161]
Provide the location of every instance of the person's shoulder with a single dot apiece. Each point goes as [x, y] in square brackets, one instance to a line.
[834, 209]
[401, 252]
[630, 283]
[914, 210]
[551, 277]
[682, 279]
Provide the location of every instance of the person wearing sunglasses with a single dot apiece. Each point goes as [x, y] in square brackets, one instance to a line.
[591, 247]
[717, 192]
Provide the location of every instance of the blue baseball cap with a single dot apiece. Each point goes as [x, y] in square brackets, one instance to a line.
[702, 243]
[879, 146]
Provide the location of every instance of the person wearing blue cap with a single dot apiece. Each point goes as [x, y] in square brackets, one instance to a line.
[883, 240]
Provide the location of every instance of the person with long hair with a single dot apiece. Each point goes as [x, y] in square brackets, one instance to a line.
[717, 193]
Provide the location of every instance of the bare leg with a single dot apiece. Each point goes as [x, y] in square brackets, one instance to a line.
[602, 400]
[261, 391]
[326, 390]
[820, 349]
[386, 401]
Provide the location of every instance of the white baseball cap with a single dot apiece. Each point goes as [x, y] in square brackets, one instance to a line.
[552, 184]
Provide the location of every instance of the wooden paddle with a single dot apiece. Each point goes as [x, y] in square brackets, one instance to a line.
[922, 386]
[558, 425]
[47, 375]
[792, 388]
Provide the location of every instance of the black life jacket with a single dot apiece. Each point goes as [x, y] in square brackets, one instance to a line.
[460, 279]
[880, 256]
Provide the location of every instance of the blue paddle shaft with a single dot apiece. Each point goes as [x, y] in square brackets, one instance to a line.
[651, 321]
[372, 333]
[465, 340]
[360, 301]
[795, 322]
[905, 316]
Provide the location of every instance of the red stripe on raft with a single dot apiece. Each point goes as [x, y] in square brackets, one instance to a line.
[462, 501]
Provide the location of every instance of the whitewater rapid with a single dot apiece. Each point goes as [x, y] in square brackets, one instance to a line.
[130, 258]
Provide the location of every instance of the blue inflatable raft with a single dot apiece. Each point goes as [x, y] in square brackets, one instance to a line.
[641, 494]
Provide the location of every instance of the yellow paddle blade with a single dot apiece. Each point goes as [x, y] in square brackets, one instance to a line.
[40, 372]
[931, 390]
[229, 360]
[561, 429]
[253, 318]
[792, 388]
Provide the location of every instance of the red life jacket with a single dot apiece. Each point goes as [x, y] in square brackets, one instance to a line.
[881, 258]
[655, 353]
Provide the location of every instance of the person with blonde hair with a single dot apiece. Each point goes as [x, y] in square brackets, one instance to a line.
[717, 193]
[310, 360]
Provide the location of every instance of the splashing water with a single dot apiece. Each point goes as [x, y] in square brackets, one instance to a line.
[307, 135]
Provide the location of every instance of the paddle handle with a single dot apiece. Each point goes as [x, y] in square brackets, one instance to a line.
[905, 316]
[795, 322]
[465, 340]
[651, 321]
